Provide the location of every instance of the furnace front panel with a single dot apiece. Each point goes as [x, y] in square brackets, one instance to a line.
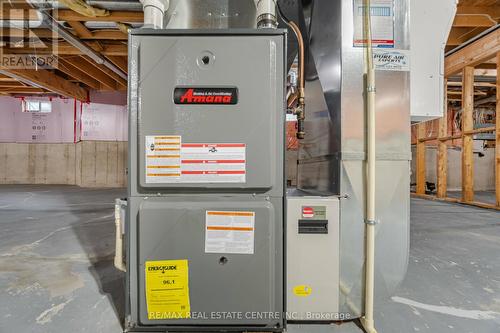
[205, 219]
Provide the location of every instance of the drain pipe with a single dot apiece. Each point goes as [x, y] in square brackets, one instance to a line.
[154, 11]
[119, 217]
[266, 14]
[370, 90]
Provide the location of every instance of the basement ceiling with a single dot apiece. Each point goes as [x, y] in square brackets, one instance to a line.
[102, 26]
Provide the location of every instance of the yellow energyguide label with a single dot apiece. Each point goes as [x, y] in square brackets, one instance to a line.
[302, 290]
[167, 289]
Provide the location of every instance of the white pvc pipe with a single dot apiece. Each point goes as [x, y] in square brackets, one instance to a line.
[368, 319]
[154, 11]
[266, 13]
[119, 264]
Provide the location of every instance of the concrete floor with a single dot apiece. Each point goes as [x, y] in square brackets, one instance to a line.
[57, 274]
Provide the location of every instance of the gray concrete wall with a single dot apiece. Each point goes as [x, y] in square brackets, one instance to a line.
[87, 163]
[484, 172]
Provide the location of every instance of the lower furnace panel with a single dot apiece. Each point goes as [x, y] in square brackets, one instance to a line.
[245, 285]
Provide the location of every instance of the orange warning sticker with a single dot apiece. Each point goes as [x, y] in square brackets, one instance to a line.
[229, 232]
[161, 166]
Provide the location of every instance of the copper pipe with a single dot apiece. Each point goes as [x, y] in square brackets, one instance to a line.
[300, 40]
[291, 100]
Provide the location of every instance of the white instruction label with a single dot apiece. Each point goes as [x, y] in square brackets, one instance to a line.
[163, 158]
[229, 232]
[391, 60]
[213, 163]
[382, 23]
[168, 160]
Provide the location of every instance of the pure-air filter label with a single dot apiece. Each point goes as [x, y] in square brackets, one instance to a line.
[167, 289]
[229, 232]
[202, 95]
[170, 161]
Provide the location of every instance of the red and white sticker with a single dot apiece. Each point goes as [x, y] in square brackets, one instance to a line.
[307, 212]
[202, 163]
[229, 232]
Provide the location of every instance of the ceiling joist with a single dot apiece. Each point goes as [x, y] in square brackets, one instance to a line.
[473, 54]
[115, 16]
[91, 69]
[49, 81]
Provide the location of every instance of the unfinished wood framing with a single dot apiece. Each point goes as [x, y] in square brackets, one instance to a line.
[49, 81]
[478, 52]
[114, 16]
[467, 140]
[86, 67]
[80, 29]
[497, 136]
[483, 54]
[78, 77]
[442, 158]
[455, 200]
[421, 159]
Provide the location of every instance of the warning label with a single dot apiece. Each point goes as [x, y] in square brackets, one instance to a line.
[163, 158]
[229, 232]
[167, 289]
[170, 161]
[213, 163]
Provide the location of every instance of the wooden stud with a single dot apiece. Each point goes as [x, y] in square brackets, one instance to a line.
[442, 158]
[467, 139]
[497, 141]
[421, 170]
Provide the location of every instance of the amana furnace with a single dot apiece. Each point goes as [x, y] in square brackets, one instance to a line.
[214, 239]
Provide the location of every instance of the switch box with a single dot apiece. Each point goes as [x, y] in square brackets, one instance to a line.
[312, 259]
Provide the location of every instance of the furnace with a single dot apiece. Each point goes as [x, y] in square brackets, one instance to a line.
[206, 191]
